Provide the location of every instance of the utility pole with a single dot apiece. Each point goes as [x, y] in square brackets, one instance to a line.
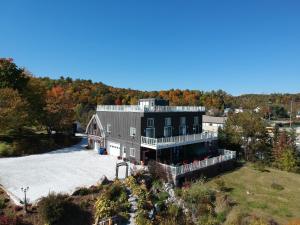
[24, 190]
[291, 113]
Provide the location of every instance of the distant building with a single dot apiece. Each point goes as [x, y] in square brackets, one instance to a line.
[239, 110]
[212, 123]
[227, 111]
[298, 115]
[257, 109]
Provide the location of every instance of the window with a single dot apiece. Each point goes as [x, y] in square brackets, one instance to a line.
[150, 132]
[108, 128]
[195, 129]
[132, 152]
[168, 131]
[182, 120]
[150, 122]
[168, 121]
[132, 131]
[182, 130]
[95, 126]
[196, 120]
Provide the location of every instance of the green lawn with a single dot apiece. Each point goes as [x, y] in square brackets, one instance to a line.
[261, 199]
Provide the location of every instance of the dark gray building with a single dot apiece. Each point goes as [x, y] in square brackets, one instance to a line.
[150, 130]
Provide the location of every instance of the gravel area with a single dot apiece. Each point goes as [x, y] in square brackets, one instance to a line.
[59, 171]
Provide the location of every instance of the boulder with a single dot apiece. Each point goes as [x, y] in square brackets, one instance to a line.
[103, 180]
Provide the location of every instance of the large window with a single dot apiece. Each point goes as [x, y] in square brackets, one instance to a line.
[132, 152]
[182, 130]
[168, 131]
[150, 122]
[168, 121]
[150, 132]
[132, 131]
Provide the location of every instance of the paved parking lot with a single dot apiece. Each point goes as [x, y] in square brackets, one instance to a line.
[60, 171]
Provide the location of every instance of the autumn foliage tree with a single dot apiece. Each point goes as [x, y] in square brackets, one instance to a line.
[284, 152]
[11, 76]
[246, 131]
[59, 109]
[13, 110]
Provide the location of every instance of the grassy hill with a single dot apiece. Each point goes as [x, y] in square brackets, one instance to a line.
[254, 193]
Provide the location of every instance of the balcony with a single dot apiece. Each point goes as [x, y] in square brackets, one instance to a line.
[176, 171]
[168, 142]
[145, 109]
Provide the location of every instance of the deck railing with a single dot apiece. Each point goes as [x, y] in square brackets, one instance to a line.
[197, 165]
[167, 142]
[138, 108]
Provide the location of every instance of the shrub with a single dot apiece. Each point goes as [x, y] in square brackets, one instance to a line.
[277, 186]
[2, 203]
[113, 201]
[178, 192]
[289, 160]
[6, 150]
[82, 192]
[104, 208]
[162, 196]
[18, 208]
[142, 218]
[57, 209]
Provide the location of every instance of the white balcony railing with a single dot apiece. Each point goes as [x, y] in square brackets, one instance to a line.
[197, 165]
[138, 108]
[168, 142]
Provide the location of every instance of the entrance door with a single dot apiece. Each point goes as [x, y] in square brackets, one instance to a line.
[113, 148]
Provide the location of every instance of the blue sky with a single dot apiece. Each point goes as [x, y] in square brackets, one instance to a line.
[238, 46]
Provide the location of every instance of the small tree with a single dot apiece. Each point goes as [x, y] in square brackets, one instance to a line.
[289, 160]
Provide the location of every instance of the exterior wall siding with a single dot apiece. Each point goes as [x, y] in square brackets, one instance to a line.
[159, 122]
[120, 130]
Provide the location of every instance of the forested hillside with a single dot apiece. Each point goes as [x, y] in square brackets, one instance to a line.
[55, 104]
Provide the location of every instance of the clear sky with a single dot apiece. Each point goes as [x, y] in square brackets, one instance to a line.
[238, 46]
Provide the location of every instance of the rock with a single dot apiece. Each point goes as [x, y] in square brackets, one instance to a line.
[132, 199]
[103, 180]
[152, 214]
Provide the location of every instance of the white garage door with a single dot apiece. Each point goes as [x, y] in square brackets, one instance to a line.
[113, 148]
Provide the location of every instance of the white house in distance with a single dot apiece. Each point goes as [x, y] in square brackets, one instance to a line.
[212, 123]
[298, 115]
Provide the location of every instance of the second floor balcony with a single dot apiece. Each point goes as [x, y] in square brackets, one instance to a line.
[168, 142]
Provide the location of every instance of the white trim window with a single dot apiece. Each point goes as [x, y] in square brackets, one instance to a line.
[182, 130]
[150, 122]
[150, 132]
[132, 152]
[168, 121]
[132, 131]
[168, 131]
[108, 128]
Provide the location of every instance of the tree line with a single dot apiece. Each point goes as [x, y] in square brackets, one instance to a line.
[27, 100]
